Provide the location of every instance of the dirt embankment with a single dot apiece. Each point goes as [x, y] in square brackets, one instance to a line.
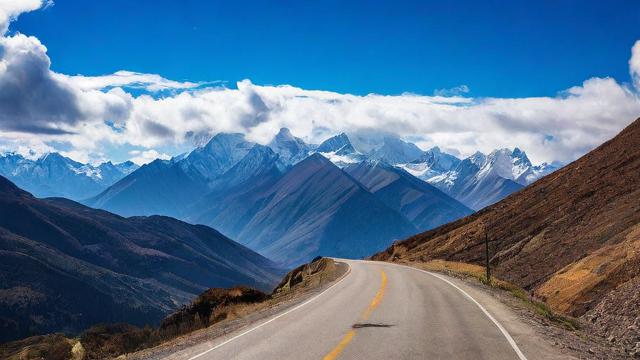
[213, 313]
[572, 239]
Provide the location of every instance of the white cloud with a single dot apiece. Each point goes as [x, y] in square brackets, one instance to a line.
[634, 64]
[40, 107]
[149, 82]
[10, 9]
[454, 91]
[142, 157]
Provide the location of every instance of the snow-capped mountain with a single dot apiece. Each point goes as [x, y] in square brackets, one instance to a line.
[260, 162]
[168, 187]
[56, 175]
[290, 148]
[339, 144]
[339, 150]
[396, 151]
[220, 154]
[432, 162]
[481, 180]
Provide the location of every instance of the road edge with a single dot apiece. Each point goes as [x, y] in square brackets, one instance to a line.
[288, 311]
[504, 331]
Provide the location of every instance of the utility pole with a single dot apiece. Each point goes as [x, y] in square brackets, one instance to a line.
[486, 250]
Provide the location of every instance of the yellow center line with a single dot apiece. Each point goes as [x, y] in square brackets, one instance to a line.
[376, 300]
[365, 315]
[343, 344]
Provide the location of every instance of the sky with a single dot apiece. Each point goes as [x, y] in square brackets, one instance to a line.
[118, 80]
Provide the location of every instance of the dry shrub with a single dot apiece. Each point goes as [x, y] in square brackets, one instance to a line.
[111, 340]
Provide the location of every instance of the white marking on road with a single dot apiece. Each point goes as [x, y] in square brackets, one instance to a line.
[272, 319]
[500, 327]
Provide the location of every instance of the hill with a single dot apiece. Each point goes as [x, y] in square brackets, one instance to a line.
[66, 266]
[572, 238]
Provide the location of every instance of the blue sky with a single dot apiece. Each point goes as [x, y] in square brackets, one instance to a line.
[118, 80]
[496, 48]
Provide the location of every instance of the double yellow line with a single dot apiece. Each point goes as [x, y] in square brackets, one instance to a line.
[365, 316]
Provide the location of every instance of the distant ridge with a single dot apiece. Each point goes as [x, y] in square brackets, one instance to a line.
[55, 175]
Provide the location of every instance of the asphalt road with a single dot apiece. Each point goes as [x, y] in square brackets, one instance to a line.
[376, 311]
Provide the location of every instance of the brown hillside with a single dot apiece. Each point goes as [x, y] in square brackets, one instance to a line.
[572, 237]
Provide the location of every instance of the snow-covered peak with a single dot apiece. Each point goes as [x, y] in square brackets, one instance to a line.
[284, 135]
[339, 150]
[290, 148]
[498, 163]
[339, 144]
[478, 158]
[396, 151]
[431, 163]
[226, 142]
[222, 152]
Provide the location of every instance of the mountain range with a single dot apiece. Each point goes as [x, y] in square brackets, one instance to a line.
[572, 238]
[276, 198]
[313, 209]
[479, 180]
[56, 175]
[66, 266]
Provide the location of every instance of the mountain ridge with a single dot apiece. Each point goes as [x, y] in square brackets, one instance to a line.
[66, 266]
[55, 175]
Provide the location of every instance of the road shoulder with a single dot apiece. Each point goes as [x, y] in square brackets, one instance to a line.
[188, 345]
[536, 335]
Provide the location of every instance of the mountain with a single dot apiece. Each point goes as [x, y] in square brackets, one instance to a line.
[313, 209]
[339, 144]
[169, 187]
[65, 266]
[481, 180]
[423, 204]
[396, 151]
[475, 182]
[431, 163]
[217, 156]
[56, 175]
[161, 187]
[339, 150]
[572, 238]
[290, 148]
[260, 163]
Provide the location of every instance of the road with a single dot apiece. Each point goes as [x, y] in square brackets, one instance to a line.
[376, 311]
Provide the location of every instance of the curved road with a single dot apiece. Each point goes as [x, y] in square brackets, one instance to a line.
[376, 311]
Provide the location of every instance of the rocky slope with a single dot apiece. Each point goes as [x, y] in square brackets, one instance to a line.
[572, 238]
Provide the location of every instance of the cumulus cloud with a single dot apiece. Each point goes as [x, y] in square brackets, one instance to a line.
[142, 157]
[35, 99]
[40, 107]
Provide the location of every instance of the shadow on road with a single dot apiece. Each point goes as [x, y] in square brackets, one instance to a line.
[370, 325]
